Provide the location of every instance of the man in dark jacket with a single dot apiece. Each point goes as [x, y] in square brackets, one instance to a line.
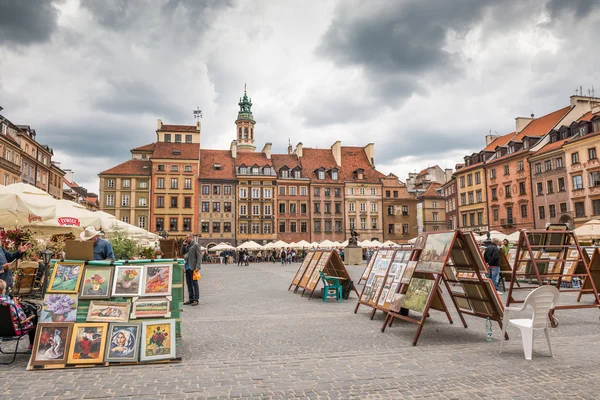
[491, 256]
[6, 258]
[192, 254]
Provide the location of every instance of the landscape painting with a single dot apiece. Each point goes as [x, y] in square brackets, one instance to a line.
[417, 294]
[434, 253]
[151, 308]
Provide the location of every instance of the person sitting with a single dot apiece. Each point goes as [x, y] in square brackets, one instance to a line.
[21, 322]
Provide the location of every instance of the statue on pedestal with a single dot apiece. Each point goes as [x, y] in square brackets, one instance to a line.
[353, 241]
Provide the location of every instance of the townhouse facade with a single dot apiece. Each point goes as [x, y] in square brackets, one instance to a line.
[431, 209]
[399, 210]
[449, 193]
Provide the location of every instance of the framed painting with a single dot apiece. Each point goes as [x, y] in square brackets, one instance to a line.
[417, 294]
[65, 277]
[435, 252]
[396, 302]
[127, 281]
[408, 272]
[108, 311]
[123, 343]
[51, 343]
[158, 340]
[159, 307]
[87, 343]
[97, 282]
[157, 280]
[59, 307]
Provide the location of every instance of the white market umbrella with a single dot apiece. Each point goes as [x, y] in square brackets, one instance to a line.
[326, 244]
[588, 231]
[337, 244]
[376, 243]
[413, 240]
[293, 245]
[344, 243]
[365, 243]
[513, 237]
[222, 247]
[279, 244]
[314, 244]
[302, 243]
[22, 204]
[70, 217]
[493, 235]
[250, 245]
[389, 243]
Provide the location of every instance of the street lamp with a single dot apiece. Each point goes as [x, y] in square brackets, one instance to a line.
[46, 257]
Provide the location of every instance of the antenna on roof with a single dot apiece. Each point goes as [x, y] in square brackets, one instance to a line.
[581, 90]
[197, 113]
[593, 92]
[532, 115]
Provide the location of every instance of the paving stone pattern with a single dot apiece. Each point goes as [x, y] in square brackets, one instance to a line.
[250, 337]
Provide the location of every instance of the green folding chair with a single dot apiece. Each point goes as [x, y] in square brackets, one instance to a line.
[332, 287]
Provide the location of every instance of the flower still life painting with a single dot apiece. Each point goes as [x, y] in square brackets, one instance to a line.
[65, 278]
[87, 343]
[59, 307]
[123, 342]
[108, 311]
[158, 340]
[127, 282]
[96, 282]
[157, 280]
[51, 343]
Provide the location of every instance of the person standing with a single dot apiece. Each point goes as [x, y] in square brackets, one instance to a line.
[282, 256]
[491, 256]
[102, 248]
[192, 254]
[505, 247]
[6, 258]
[246, 257]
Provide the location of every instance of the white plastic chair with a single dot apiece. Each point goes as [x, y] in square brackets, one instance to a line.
[542, 300]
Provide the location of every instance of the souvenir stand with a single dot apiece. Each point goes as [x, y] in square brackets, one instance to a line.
[384, 278]
[552, 257]
[308, 277]
[102, 313]
[452, 258]
[367, 271]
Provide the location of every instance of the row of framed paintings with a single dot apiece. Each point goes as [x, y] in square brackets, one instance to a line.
[62, 307]
[70, 343]
[103, 282]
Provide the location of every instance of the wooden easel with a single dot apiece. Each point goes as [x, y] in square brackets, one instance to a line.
[460, 264]
[533, 263]
[329, 262]
[367, 271]
[301, 270]
[594, 278]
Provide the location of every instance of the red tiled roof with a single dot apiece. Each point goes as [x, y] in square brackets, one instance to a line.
[93, 200]
[432, 190]
[249, 159]
[187, 151]
[354, 158]
[501, 141]
[588, 116]
[313, 159]
[129, 167]
[584, 137]
[552, 146]
[146, 147]
[424, 172]
[541, 126]
[208, 159]
[289, 160]
[178, 128]
[70, 184]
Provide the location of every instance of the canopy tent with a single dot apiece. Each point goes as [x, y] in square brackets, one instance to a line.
[389, 243]
[250, 245]
[70, 217]
[336, 244]
[314, 244]
[109, 223]
[222, 247]
[22, 204]
[513, 237]
[365, 243]
[344, 243]
[588, 231]
[277, 245]
[376, 243]
[493, 235]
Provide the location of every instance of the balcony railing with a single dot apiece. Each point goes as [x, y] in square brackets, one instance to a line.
[508, 222]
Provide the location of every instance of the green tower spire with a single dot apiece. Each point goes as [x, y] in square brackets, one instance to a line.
[245, 104]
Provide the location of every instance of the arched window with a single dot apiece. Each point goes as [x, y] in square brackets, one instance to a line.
[240, 133]
[252, 133]
[245, 133]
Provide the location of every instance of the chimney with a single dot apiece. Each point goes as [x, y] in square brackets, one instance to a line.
[370, 152]
[267, 150]
[197, 126]
[336, 149]
[159, 124]
[298, 150]
[522, 122]
[490, 138]
[595, 108]
[448, 172]
[289, 149]
[233, 148]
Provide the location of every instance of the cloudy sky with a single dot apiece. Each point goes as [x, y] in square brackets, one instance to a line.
[425, 80]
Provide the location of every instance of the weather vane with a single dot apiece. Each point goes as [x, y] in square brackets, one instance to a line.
[197, 113]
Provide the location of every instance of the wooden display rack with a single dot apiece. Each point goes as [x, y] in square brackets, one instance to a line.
[451, 257]
[367, 271]
[593, 281]
[551, 257]
[307, 277]
[383, 278]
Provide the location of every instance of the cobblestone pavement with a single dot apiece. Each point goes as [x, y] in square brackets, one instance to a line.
[250, 337]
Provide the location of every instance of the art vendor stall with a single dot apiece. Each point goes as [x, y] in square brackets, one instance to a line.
[99, 313]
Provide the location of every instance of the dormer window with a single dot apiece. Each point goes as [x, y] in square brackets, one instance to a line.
[321, 174]
[284, 173]
[525, 144]
[176, 152]
[216, 167]
[255, 170]
[267, 171]
[243, 170]
[359, 174]
[334, 174]
[297, 174]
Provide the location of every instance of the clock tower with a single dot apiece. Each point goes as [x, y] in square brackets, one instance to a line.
[245, 125]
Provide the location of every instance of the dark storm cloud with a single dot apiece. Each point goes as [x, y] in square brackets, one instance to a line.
[398, 36]
[580, 8]
[137, 97]
[123, 14]
[24, 22]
